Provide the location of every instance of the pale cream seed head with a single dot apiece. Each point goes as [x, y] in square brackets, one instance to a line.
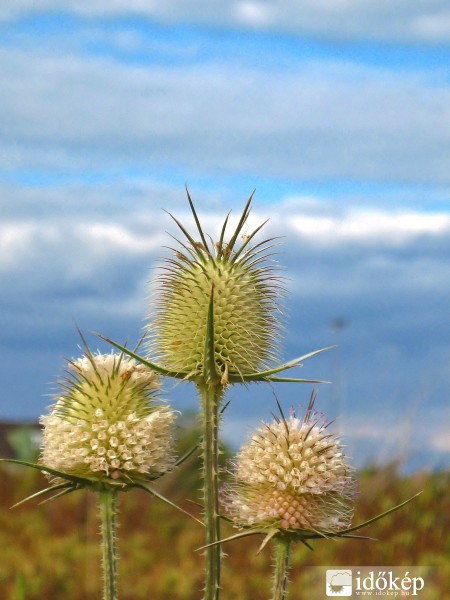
[106, 423]
[292, 474]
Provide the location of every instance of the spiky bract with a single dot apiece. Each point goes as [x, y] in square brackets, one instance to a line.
[245, 291]
[106, 423]
[291, 475]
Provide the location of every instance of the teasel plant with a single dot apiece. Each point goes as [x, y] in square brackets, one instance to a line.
[107, 432]
[215, 322]
[291, 482]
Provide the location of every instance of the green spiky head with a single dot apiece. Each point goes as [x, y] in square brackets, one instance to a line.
[232, 284]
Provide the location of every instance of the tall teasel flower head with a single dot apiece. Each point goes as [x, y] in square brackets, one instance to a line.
[231, 279]
[292, 476]
[107, 424]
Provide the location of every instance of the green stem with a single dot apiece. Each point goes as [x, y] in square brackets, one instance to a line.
[210, 397]
[281, 567]
[108, 513]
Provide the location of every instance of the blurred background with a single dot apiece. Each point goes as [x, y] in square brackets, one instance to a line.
[337, 113]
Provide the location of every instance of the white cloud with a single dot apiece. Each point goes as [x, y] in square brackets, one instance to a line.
[369, 226]
[60, 244]
[422, 21]
[115, 237]
[15, 238]
[128, 221]
[440, 441]
[319, 119]
[254, 14]
[61, 252]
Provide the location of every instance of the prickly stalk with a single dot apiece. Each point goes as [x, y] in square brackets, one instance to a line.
[108, 511]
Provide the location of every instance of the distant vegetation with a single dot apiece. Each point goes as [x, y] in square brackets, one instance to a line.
[51, 551]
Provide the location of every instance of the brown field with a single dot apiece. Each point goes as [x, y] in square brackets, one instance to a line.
[51, 550]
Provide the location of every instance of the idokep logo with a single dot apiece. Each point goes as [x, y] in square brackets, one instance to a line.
[339, 582]
[394, 581]
[373, 582]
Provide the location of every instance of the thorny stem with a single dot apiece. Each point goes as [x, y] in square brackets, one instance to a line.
[210, 398]
[108, 513]
[282, 551]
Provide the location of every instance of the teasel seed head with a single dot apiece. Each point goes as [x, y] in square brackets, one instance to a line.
[291, 475]
[236, 281]
[107, 423]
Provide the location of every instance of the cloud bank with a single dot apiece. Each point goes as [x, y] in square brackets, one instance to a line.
[320, 119]
[380, 20]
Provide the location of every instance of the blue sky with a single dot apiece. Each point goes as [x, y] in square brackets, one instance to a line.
[337, 113]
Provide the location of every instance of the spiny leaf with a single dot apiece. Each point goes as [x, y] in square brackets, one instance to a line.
[190, 238]
[272, 533]
[189, 453]
[287, 380]
[380, 516]
[197, 222]
[222, 235]
[64, 492]
[306, 544]
[44, 469]
[153, 492]
[237, 536]
[248, 240]
[296, 362]
[143, 360]
[304, 535]
[242, 220]
[52, 488]
[209, 356]
[344, 532]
